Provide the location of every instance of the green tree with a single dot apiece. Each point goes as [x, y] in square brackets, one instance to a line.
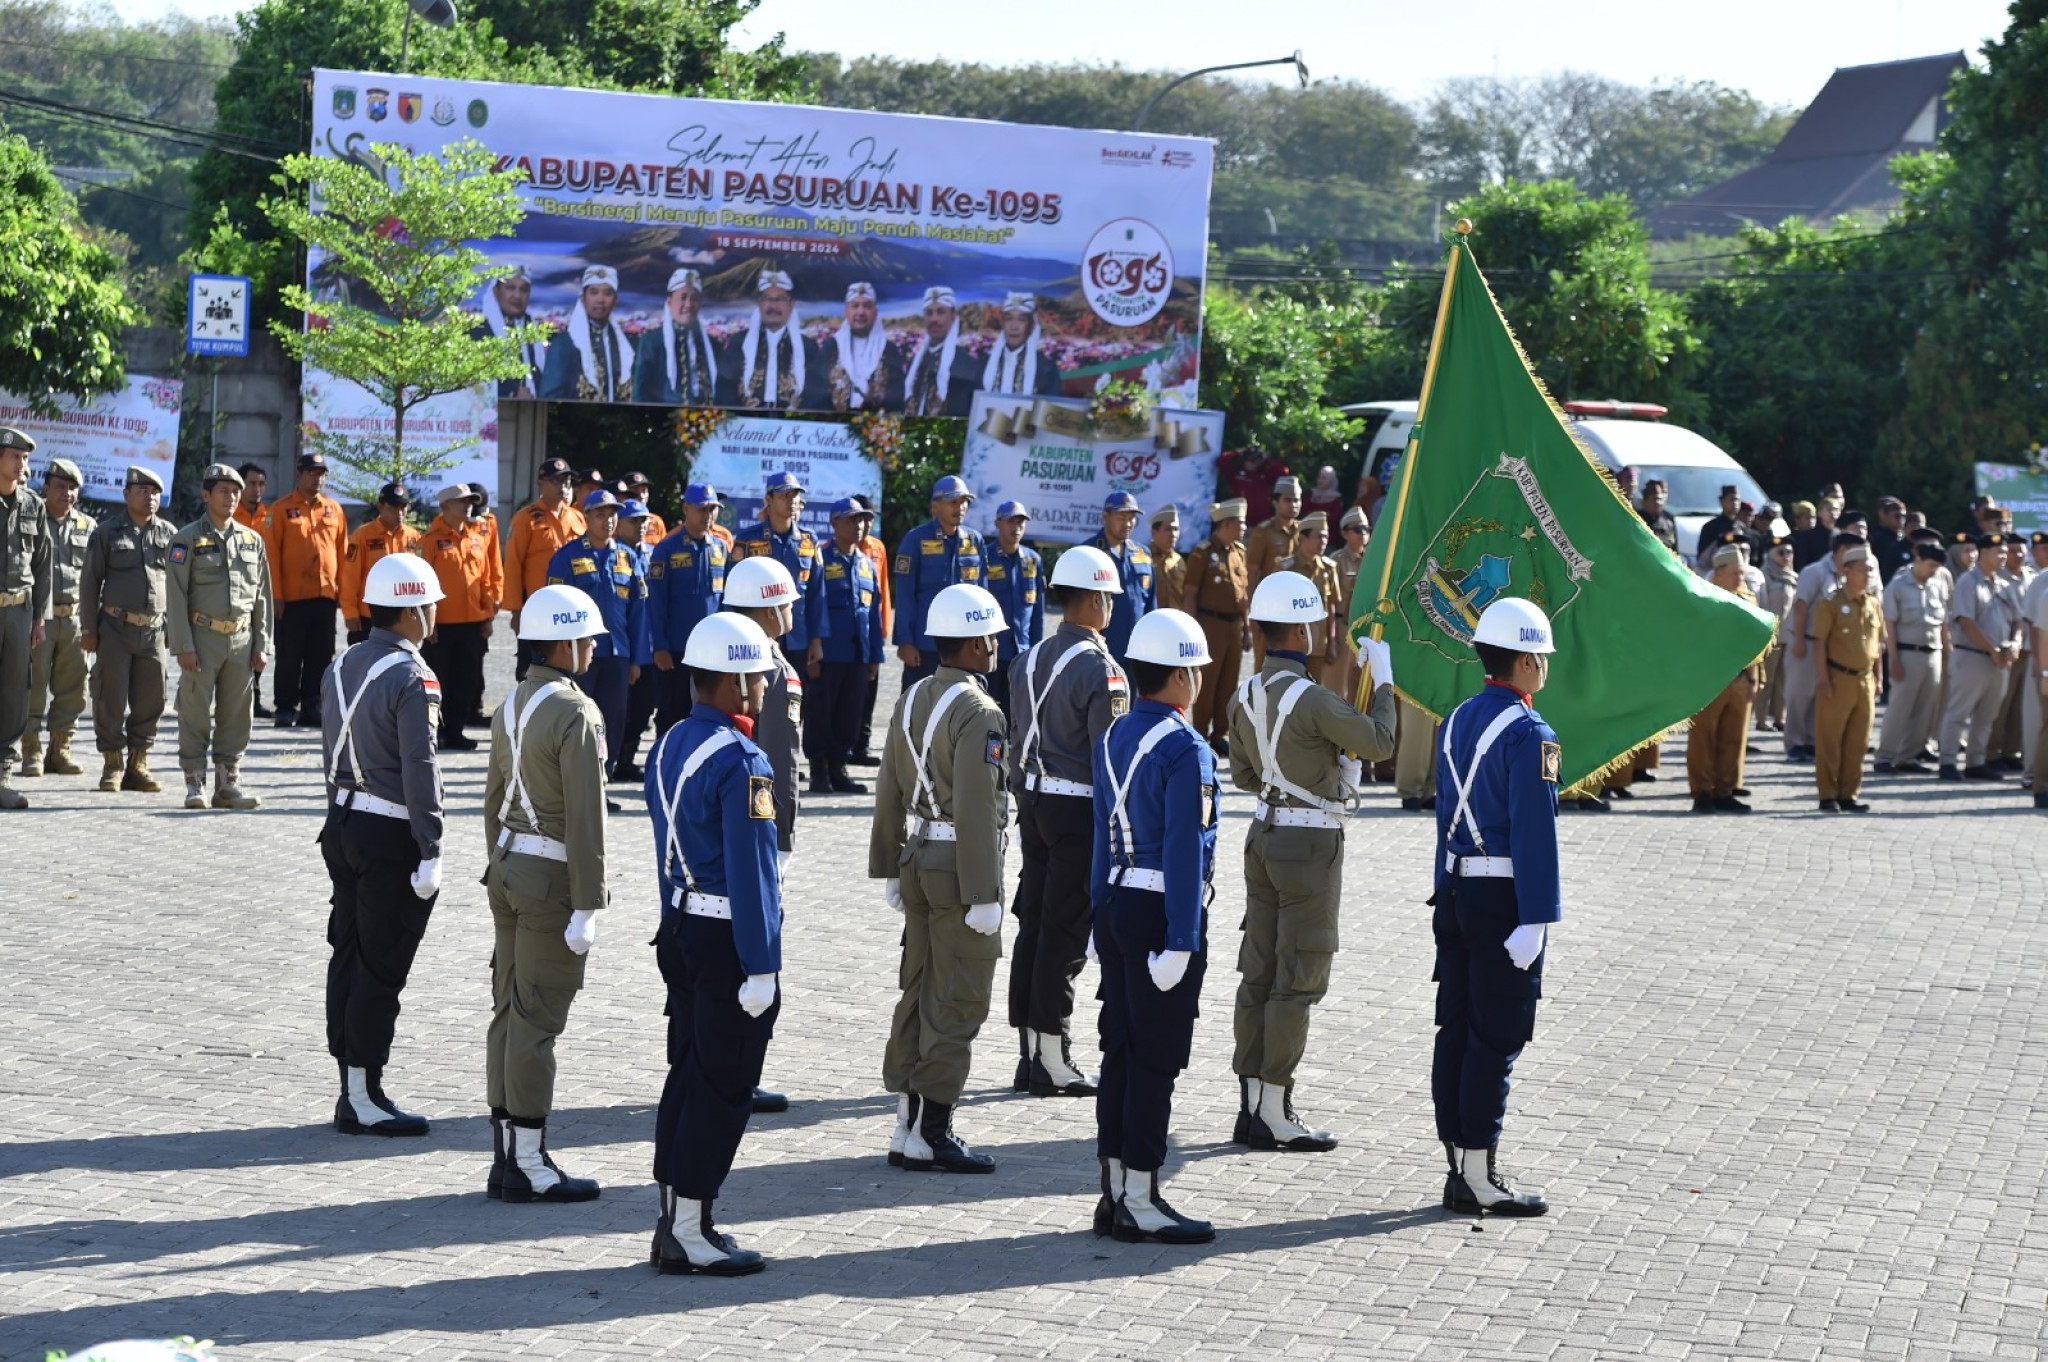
[62, 306]
[1266, 363]
[395, 234]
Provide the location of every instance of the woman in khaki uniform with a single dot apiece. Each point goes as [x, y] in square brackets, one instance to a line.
[1848, 634]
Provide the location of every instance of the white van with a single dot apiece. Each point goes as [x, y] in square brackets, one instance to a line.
[1620, 435]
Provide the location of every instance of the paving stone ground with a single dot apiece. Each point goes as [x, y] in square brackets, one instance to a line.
[1787, 1097]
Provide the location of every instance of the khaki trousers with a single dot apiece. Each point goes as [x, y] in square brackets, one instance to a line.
[1293, 886]
[1714, 746]
[947, 976]
[14, 677]
[2009, 736]
[1841, 725]
[1799, 694]
[1415, 745]
[2037, 730]
[534, 978]
[127, 686]
[1914, 708]
[216, 703]
[1219, 678]
[1770, 705]
[56, 683]
[1976, 688]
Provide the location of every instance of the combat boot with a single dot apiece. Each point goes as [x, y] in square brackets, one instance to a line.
[227, 788]
[686, 1241]
[31, 753]
[360, 1112]
[531, 1175]
[1141, 1214]
[1105, 1209]
[10, 798]
[905, 1119]
[1478, 1170]
[1052, 1068]
[138, 777]
[1458, 1198]
[1022, 1082]
[59, 762]
[110, 772]
[1247, 1103]
[1275, 1126]
[195, 787]
[501, 1153]
[932, 1145]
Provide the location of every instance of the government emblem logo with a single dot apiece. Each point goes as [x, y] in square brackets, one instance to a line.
[345, 101]
[409, 108]
[479, 113]
[377, 103]
[1127, 272]
[444, 112]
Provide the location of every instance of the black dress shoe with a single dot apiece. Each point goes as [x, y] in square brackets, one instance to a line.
[1650, 776]
[1986, 772]
[843, 783]
[614, 806]
[1830, 806]
[1882, 766]
[1742, 792]
[1621, 792]
[309, 718]
[820, 785]
[1729, 804]
[1853, 806]
[1948, 772]
[766, 1101]
[2041, 801]
[1411, 805]
[2012, 763]
[1589, 804]
[863, 759]
[285, 718]
[264, 711]
[1908, 768]
[1703, 804]
[626, 773]
[1429, 804]
[457, 742]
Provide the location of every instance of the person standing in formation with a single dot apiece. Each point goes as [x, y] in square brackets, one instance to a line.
[2035, 605]
[1714, 746]
[643, 695]
[1816, 580]
[56, 688]
[546, 857]
[1781, 581]
[249, 507]
[1152, 866]
[385, 532]
[1016, 579]
[1217, 596]
[639, 488]
[853, 654]
[218, 618]
[1133, 564]
[459, 548]
[382, 839]
[937, 845]
[24, 597]
[1325, 651]
[1169, 564]
[1287, 739]
[539, 528]
[122, 596]
[685, 578]
[609, 573]
[1497, 892]
[1356, 531]
[304, 533]
[878, 554]
[1270, 541]
[937, 554]
[711, 794]
[1915, 605]
[1066, 691]
[1848, 636]
[780, 535]
[2009, 748]
[1983, 630]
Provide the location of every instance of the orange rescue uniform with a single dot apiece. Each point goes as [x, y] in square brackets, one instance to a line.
[536, 533]
[465, 558]
[370, 542]
[305, 537]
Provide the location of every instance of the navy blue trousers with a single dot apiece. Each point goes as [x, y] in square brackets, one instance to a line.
[715, 1052]
[1146, 1035]
[832, 706]
[1485, 1009]
[609, 682]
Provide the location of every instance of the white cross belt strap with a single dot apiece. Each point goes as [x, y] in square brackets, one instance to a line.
[515, 734]
[1137, 877]
[348, 713]
[927, 795]
[1463, 813]
[1120, 790]
[1479, 867]
[361, 801]
[533, 844]
[1283, 816]
[1256, 697]
[1053, 785]
[1035, 695]
[670, 803]
[932, 830]
[702, 905]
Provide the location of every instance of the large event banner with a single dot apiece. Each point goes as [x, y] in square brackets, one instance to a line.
[826, 457]
[1063, 463]
[777, 257]
[138, 425]
[461, 426]
[2021, 489]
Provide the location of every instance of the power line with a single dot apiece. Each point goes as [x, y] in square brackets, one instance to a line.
[104, 54]
[146, 127]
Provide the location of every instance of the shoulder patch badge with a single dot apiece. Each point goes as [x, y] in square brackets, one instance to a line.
[178, 553]
[1119, 704]
[995, 752]
[1553, 756]
[1208, 806]
[902, 562]
[761, 797]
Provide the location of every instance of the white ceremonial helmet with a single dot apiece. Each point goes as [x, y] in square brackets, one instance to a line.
[1089, 569]
[964, 610]
[1516, 625]
[1288, 598]
[401, 579]
[758, 584]
[1168, 638]
[559, 612]
[726, 642]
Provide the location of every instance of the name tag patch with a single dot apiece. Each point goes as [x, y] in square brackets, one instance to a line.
[761, 797]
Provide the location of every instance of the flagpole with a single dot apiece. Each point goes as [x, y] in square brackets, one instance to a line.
[1463, 227]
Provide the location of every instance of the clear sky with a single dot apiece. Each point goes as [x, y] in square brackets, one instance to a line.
[1780, 50]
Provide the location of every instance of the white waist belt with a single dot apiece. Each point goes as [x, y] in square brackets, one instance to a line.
[1137, 877]
[1054, 785]
[533, 844]
[1479, 867]
[1286, 817]
[369, 803]
[932, 830]
[702, 905]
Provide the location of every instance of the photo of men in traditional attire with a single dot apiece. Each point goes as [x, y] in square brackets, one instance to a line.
[592, 360]
[864, 371]
[942, 380]
[678, 364]
[774, 365]
[1017, 363]
[504, 306]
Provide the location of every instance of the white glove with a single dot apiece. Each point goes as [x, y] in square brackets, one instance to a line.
[1525, 943]
[581, 933]
[1168, 968]
[426, 881]
[1091, 943]
[1378, 659]
[986, 918]
[781, 864]
[757, 993]
[1352, 772]
[892, 894]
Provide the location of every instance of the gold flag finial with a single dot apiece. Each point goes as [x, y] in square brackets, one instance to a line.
[1463, 226]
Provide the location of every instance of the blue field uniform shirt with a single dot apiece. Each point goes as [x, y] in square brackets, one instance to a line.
[799, 552]
[1017, 581]
[685, 578]
[610, 576]
[725, 829]
[1171, 806]
[927, 562]
[1139, 598]
[1513, 798]
[853, 604]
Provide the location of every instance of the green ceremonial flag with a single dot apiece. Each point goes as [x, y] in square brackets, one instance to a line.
[1495, 498]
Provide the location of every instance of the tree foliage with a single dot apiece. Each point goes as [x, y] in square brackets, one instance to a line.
[1266, 365]
[62, 307]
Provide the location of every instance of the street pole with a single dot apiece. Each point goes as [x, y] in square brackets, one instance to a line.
[1295, 61]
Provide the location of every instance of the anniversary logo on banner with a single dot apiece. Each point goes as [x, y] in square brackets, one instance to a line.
[462, 426]
[1051, 455]
[138, 425]
[2021, 489]
[826, 457]
[776, 258]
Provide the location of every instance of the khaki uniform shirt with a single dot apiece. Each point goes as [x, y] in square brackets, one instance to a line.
[221, 574]
[966, 772]
[561, 766]
[1323, 573]
[68, 538]
[1266, 545]
[1348, 563]
[1222, 586]
[1850, 631]
[125, 567]
[25, 551]
[1916, 610]
[1169, 577]
[1320, 728]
